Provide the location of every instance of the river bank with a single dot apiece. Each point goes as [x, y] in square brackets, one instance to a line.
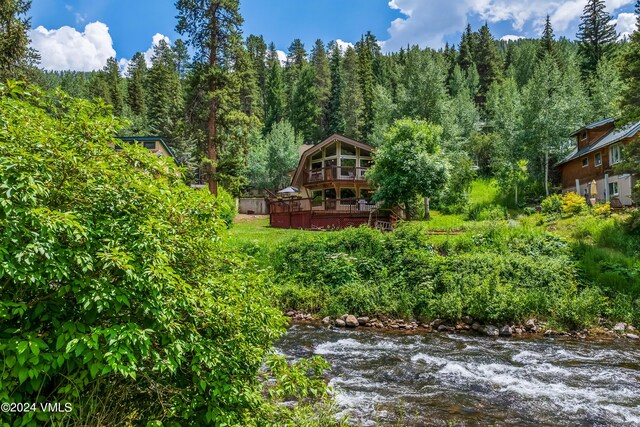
[412, 378]
[468, 326]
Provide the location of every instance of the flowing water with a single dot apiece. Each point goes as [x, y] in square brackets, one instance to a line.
[384, 378]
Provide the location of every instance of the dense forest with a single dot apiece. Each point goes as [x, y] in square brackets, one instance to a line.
[505, 106]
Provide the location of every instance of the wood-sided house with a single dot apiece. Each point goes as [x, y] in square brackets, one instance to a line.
[333, 190]
[600, 146]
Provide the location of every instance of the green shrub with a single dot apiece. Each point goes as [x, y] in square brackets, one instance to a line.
[603, 210]
[580, 310]
[227, 207]
[552, 204]
[573, 204]
[115, 293]
[487, 213]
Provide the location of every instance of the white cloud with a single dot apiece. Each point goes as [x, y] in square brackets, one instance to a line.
[123, 63]
[69, 49]
[511, 38]
[343, 45]
[428, 22]
[625, 24]
[282, 56]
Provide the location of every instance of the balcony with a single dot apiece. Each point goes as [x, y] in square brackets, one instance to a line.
[335, 173]
[343, 206]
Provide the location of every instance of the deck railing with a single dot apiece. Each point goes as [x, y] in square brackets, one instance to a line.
[327, 205]
[334, 173]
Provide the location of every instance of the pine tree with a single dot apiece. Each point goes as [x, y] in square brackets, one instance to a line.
[111, 76]
[366, 79]
[246, 77]
[163, 89]
[488, 61]
[465, 55]
[631, 73]
[137, 71]
[320, 63]
[335, 117]
[597, 34]
[606, 91]
[275, 93]
[352, 96]
[304, 105]
[213, 27]
[257, 50]
[547, 42]
[182, 56]
[16, 58]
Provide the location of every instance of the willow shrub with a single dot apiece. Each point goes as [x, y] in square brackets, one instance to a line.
[115, 293]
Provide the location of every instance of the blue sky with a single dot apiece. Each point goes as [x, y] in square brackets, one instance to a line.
[82, 34]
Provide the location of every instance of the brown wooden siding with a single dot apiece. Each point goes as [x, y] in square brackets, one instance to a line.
[573, 170]
[594, 135]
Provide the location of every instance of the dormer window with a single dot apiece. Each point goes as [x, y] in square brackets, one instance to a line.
[150, 145]
[583, 135]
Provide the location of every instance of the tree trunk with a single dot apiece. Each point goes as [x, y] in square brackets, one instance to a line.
[212, 128]
[427, 209]
[546, 172]
[516, 195]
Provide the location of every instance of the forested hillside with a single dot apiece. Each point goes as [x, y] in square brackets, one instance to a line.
[503, 104]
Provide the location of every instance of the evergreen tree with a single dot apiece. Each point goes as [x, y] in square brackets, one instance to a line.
[16, 58]
[488, 61]
[164, 90]
[597, 34]
[352, 96]
[335, 117]
[111, 77]
[182, 56]
[213, 27]
[275, 94]
[631, 73]
[137, 72]
[247, 79]
[366, 78]
[304, 105]
[465, 55]
[257, 50]
[547, 42]
[320, 63]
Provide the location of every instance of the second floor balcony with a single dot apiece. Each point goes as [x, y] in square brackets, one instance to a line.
[335, 173]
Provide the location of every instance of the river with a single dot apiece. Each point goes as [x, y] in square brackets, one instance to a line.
[385, 378]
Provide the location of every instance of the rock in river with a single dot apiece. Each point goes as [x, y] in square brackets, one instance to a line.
[340, 323]
[351, 321]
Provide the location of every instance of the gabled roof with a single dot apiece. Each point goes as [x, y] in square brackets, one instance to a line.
[616, 135]
[593, 126]
[320, 146]
[131, 139]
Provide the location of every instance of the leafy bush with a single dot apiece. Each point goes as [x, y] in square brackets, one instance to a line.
[573, 204]
[227, 207]
[115, 293]
[487, 213]
[552, 204]
[633, 223]
[580, 310]
[603, 210]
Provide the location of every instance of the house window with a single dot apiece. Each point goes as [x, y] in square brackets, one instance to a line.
[365, 153]
[615, 154]
[613, 189]
[598, 159]
[585, 162]
[150, 145]
[317, 156]
[347, 150]
[330, 150]
[365, 193]
[366, 163]
[316, 198]
[348, 195]
[583, 135]
[348, 167]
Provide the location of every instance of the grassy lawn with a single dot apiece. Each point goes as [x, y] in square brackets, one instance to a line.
[258, 230]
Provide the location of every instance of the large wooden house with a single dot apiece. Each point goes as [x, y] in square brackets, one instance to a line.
[333, 190]
[599, 147]
[154, 144]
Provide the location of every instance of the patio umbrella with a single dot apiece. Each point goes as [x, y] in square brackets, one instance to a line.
[594, 189]
[289, 191]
